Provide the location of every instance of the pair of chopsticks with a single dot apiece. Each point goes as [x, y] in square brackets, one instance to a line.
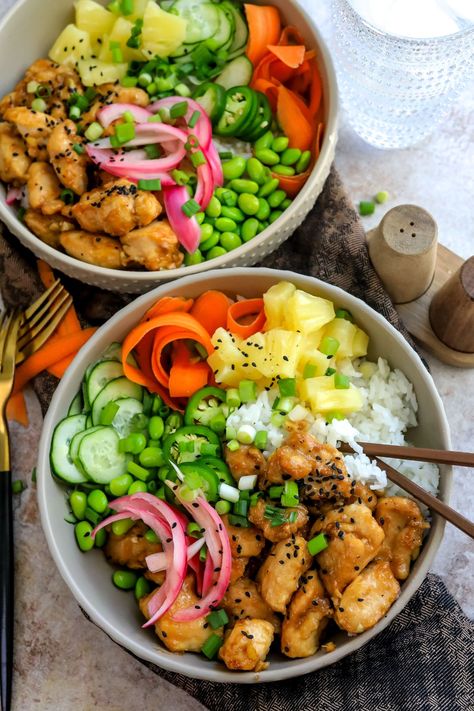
[420, 454]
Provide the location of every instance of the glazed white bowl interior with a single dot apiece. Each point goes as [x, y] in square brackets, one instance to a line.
[25, 36]
[89, 576]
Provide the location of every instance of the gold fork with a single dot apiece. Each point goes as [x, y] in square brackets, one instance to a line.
[9, 327]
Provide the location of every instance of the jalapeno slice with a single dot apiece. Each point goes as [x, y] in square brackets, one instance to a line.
[220, 468]
[204, 405]
[190, 442]
[212, 99]
[263, 119]
[210, 480]
[241, 105]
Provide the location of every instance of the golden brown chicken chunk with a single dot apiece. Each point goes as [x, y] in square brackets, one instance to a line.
[403, 525]
[361, 494]
[307, 616]
[238, 568]
[35, 127]
[277, 533]
[48, 228]
[44, 189]
[157, 578]
[279, 575]
[354, 539]
[244, 542]
[14, 162]
[366, 600]
[112, 94]
[131, 549]
[246, 646]
[181, 636]
[243, 600]
[116, 208]
[153, 247]
[70, 166]
[101, 250]
[245, 461]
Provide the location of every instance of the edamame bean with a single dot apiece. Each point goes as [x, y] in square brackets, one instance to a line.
[120, 528]
[275, 215]
[216, 251]
[267, 156]
[78, 503]
[151, 536]
[193, 258]
[249, 229]
[280, 144]
[100, 538]
[200, 217]
[206, 232]
[269, 187]
[248, 203]
[230, 240]
[234, 168]
[156, 427]
[124, 579]
[264, 141]
[303, 162]
[225, 224]
[256, 170]
[233, 213]
[137, 487]
[214, 207]
[276, 198]
[142, 587]
[286, 203]
[283, 170]
[211, 242]
[263, 209]
[135, 442]
[82, 531]
[97, 500]
[290, 156]
[245, 186]
[120, 485]
[151, 457]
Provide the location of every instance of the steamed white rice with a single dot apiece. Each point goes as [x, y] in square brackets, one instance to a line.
[389, 410]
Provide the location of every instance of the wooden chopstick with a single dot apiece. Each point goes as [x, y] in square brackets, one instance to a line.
[422, 495]
[417, 454]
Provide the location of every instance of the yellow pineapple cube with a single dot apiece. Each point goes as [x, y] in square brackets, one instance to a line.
[308, 388]
[254, 353]
[344, 332]
[306, 313]
[121, 33]
[310, 356]
[275, 302]
[93, 72]
[71, 46]
[360, 343]
[139, 7]
[343, 401]
[283, 351]
[162, 32]
[227, 346]
[93, 18]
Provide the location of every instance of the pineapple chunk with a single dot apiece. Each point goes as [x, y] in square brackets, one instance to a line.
[254, 351]
[310, 355]
[275, 301]
[227, 346]
[71, 46]
[306, 313]
[344, 401]
[283, 352]
[94, 72]
[360, 343]
[121, 32]
[138, 9]
[344, 332]
[93, 18]
[308, 388]
[162, 32]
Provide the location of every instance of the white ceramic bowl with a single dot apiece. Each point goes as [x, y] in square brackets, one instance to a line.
[27, 33]
[88, 576]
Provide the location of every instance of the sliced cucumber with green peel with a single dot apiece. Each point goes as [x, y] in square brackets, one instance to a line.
[237, 73]
[99, 455]
[128, 407]
[61, 462]
[75, 408]
[101, 374]
[223, 37]
[89, 420]
[241, 32]
[202, 19]
[115, 390]
[75, 442]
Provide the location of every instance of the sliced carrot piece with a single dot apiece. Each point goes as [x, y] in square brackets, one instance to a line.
[291, 35]
[242, 309]
[293, 119]
[58, 369]
[164, 337]
[264, 29]
[16, 409]
[210, 309]
[316, 90]
[186, 376]
[291, 55]
[45, 273]
[167, 304]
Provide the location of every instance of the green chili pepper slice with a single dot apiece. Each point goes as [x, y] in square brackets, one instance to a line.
[241, 106]
[220, 468]
[204, 405]
[209, 478]
[263, 119]
[175, 445]
[212, 98]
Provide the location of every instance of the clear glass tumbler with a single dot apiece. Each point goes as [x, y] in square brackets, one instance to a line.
[397, 89]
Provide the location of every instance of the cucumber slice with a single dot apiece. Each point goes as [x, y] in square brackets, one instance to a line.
[241, 32]
[225, 32]
[75, 408]
[115, 390]
[128, 408]
[112, 352]
[237, 73]
[89, 421]
[202, 19]
[75, 442]
[99, 455]
[101, 374]
[61, 463]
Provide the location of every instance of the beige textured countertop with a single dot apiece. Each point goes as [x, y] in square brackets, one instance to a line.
[63, 662]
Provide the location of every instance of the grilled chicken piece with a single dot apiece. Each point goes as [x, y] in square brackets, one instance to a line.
[132, 548]
[403, 525]
[181, 636]
[238, 568]
[246, 647]
[244, 542]
[245, 461]
[70, 167]
[35, 127]
[279, 575]
[153, 247]
[243, 600]
[277, 533]
[101, 250]
[363, 495]
[307, 616]
[157, 578]
[354, 538]
[49, 228]
[111, 94]
[116, 208]
[14, 162]
[367, 599]
[44, 189]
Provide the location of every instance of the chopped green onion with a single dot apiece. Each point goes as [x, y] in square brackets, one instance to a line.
[225, 155]
[129, 81]
[192, 142]
[190, 208]
[241, 507]
[78, 148]
[153, 150]
[330, 416]
[31, 87]
[246, 434]
[193, 529]
[229, 493]
[114, 45]
[193, 481]
[366, 207]
[33, 475]
[274, 492]
[287, 387]
[182, 90]
[18, 486]
[128, 117]
[260, 440]
[21, 214]
[246, 483]
[343, 313]
[285, 404]
[255, 497]
[114, 7]
[92, 516]
[94, 131]
[137, 471]
[329, 345]
[40, 105]
[198, 158]
[277, 420]
[217, 423]
[292, 517]
[186, 446]
[247, 391]
[149, 184]
[207, 449]
[211, 646]
[239, 521]
[195, 116]
[222, 507]
[90, 94]
[233, 445]
[382, 196]
[127, 7]
[144, 79]
[152, 88]
[108, 413]
[181, 178]
[179, 109]
[117, 56]
[290, 496]
[124, 132]
[317, 544]
[309, 371]
[341, 382]
[42, 91]
[67, 196]
[134, 42]
[227, 198]
[217, 618]
[160, 494]
[203, 553]
[330, 371]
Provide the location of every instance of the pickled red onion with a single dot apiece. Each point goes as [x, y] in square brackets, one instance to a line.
[110, 113]
[185, 228]
[203, 128]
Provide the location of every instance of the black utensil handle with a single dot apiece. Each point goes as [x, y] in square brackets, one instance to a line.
[6, 590]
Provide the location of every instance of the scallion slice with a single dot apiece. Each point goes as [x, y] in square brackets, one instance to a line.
[149, 184]
[317, 544]
[217, 618]
[211, 646]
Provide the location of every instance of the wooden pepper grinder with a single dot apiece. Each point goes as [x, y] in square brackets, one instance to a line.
[452, 310]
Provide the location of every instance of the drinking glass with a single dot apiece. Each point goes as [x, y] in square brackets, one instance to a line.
[400, 64]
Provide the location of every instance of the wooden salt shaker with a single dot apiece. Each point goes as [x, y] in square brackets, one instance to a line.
[452, 310]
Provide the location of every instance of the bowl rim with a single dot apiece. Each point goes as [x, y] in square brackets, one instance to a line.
[177, 663]
[123, 275]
